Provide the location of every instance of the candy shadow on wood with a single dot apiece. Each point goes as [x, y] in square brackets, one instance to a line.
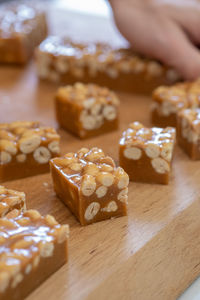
[49, 203]
[151, 207]
[10, 75]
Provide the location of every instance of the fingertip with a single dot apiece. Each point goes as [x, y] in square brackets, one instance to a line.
[183, 56]
[188, 64]
[190, 70]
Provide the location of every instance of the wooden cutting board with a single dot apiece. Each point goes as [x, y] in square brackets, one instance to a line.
[154, 252]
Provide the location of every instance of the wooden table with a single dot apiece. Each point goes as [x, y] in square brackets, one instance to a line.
[154, 253]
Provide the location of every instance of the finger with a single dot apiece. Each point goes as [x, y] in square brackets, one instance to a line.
[180, 52]
[188, 17]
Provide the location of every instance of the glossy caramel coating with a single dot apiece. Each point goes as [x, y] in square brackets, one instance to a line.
[22, 27]
[10, 199]
[60, 59]
[188, 132]
[87, 110]
[89, 183]
[25, 149]
[28, 243]
[146, 153]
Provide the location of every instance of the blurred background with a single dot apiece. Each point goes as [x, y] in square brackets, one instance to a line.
[99, 7]
[75, 12]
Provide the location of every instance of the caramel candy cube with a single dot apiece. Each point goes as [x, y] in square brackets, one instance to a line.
[87, 110]
[22, 27]
[25, 149]
[188, 132]
[146, 153]
[89, 183]
[32, 247]
[168, 101]
[60, 59]
[10, 199]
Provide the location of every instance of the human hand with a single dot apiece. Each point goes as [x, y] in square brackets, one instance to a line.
[166, 30]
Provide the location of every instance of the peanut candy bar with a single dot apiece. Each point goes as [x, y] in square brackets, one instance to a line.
[25, 149]
[59, 59]
[89, 183]
[168, 101]
[32, 247]
[146, 153]
[188, 132]
[22, 27]
[9, 200]
[87, 110]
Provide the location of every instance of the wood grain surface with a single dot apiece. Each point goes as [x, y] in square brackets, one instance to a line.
[153, 253]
